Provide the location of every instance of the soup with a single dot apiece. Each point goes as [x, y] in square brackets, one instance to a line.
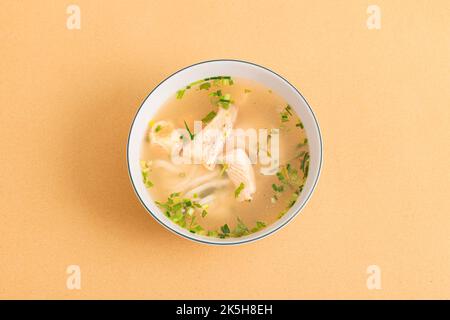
[225, 157]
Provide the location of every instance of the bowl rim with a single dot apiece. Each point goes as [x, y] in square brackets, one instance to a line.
[242, 240]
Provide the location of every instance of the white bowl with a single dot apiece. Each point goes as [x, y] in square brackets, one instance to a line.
[233, 68]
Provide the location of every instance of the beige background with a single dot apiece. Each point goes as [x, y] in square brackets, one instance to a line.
[67, 99]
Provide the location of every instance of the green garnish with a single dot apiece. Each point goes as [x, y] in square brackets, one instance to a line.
[146, 180]
[259, 225]
[282, 213]
[281, 177]
[299, 124]
[247, 90]
[241, 229]
[182, 212]
[224, 168]
[145, 170]
[293, 199]
[302, 144]
[214, 234]
[238, 190]
[225, 229]
[288, 109]
[218, 78]
[225, 101]
[180, 93]
[286, 114]
[289, 176]
[207, 119]
[158, 128]
[305, 162]
[191, 135]
[205, 86]
[217, 93]
[276, 188]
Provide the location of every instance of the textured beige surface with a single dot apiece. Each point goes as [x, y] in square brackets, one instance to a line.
[67, 99]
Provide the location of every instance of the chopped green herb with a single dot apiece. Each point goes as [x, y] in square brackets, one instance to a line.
[259, 225]
[148, 183]
[305, 174]
[241, 229]
[217, 93]
[224, 168]
[301, 154]
[304, 161]
[286, 114]
[158, 128]
[225, 101]
[219, 78]
[207, 119]
[205, 86]
[214, 234]
[282, 213]
[191, 135]
[299, 124]
[180, 93]
[288, 110]
[281, 177]
[238, 190]
[276, 188]
[302, 144]
[145, 170]
[293, 199]
[180, 210]
[196, 228]
[225, 229]
[247, 90]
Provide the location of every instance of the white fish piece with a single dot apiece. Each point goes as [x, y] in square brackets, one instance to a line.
[164, 134]
[240, 170]
[208, 145]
